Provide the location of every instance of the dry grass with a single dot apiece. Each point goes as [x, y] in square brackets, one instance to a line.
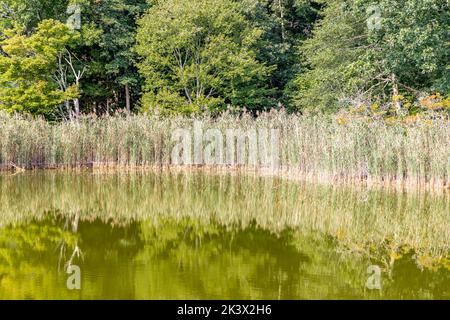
[416, 154]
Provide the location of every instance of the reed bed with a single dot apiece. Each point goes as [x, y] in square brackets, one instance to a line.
[320, 146]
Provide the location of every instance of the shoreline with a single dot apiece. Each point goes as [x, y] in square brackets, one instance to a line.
[284, 173]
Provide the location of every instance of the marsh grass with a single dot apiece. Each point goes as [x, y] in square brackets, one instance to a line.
[319, 146]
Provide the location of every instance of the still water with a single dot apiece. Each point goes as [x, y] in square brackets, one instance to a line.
[200, 236]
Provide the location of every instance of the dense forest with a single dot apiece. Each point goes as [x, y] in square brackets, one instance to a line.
[64, 58]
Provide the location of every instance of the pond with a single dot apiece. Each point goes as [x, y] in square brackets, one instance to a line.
[162, 235]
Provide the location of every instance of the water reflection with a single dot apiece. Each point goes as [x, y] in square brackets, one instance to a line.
[199, 237]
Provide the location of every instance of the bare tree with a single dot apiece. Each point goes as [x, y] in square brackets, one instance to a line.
[66, 65]
[78, 75]
[61, 79]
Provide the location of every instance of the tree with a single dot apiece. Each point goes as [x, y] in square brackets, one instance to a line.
[410, 48]
[285, 24]
[28, 14]
[68, 69]
[104, 52]
[27, 66]
[406, 50]
[199, 55]
[108, 36]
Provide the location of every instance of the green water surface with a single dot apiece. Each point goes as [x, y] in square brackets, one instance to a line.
[199, 236]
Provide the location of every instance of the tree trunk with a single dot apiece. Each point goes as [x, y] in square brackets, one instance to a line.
[127, 98]
[283, 31]
[76, 103]
[67, 104]
[395, 96]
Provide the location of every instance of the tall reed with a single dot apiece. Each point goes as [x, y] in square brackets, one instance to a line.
[314, 145]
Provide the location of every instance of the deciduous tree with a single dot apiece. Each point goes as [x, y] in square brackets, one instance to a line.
[27, 67]
[201, 55]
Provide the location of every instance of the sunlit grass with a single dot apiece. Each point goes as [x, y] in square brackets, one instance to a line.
[415, 153]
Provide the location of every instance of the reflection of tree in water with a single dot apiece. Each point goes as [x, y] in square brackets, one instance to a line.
[32, 255]
[188, 258]
[205, 256]
[73, 221]
[28, 257]
[34, 241]
[102, 240]
[201, 261]
[358, 219]
[213, 260]
[109, 248]
[407, 279]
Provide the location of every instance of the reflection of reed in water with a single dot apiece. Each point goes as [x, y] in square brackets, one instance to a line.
[367, 221]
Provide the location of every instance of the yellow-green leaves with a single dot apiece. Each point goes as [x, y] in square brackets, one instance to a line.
[28, 65]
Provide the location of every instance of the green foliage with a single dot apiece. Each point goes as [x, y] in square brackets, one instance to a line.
[28, 14]
[412, 44]
[27, 66]
[285, 23]
[206, 55]
[108, 34]
[337, 42]
[346, 58]
[201, 55]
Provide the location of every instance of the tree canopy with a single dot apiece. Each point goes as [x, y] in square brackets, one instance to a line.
[371, 52]
[62, 58]
[27, 65]
[201, 55]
